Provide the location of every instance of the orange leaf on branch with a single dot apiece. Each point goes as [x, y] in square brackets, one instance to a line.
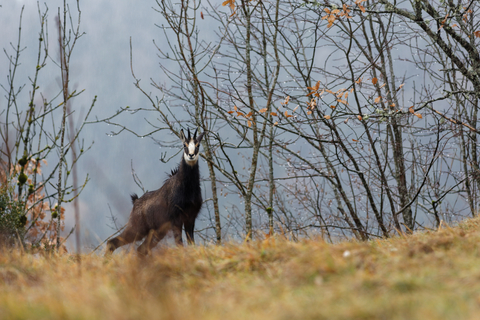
[285, 102]
[360, 6]
[230, 3]
[313, 90]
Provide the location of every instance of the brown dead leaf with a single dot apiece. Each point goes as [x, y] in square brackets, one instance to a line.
[230, 3]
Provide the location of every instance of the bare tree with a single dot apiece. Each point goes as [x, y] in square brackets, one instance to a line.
[36, 134]
[327, 117]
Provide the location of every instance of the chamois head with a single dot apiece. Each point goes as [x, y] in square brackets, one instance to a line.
[191, 146]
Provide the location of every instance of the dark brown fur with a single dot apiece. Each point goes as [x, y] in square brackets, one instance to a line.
[176, 204]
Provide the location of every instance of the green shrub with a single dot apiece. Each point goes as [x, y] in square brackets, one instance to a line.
[12, 219]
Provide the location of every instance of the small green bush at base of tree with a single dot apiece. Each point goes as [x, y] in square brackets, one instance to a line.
[12, 219]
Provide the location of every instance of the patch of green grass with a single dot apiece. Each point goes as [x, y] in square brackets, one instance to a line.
[432, 275]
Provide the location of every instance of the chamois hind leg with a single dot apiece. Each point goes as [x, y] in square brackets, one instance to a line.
[177, 233]
[127, 236]
[152, 239]
[189, 228]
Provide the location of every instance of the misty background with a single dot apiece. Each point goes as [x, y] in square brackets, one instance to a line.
[314, 152]
[101, 66]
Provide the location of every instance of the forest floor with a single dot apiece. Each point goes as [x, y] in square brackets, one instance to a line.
[427, 275]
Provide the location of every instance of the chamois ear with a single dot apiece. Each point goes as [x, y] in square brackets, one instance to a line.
[200, 136]
[182, 135]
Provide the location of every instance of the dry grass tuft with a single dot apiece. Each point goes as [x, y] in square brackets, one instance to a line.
[431, 275]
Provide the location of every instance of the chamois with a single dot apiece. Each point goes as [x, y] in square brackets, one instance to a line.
[174, 205]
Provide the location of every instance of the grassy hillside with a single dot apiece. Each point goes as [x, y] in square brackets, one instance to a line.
[432, 275]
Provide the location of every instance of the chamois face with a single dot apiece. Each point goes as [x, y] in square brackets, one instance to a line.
[191, 147]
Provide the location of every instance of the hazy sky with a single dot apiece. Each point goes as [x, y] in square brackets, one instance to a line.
[101, 65]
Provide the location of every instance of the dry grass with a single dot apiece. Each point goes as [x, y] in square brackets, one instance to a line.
[425, 276]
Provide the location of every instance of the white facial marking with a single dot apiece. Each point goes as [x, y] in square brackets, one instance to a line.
[191, 157]
[191, 148]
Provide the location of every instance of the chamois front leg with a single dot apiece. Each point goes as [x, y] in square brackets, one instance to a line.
[189, 228]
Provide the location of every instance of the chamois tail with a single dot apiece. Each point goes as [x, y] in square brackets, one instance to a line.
[134, 197]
